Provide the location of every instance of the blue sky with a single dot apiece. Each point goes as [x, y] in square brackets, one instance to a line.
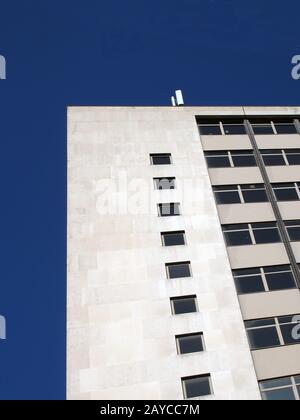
[96, 52]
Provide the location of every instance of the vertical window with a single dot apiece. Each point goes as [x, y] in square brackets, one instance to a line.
[168, 209]
[190, 343]
[173, 238]
[197, 386]
[282, 389]
[178, 270]
[164, 183]
[161, 159]
[184, 305]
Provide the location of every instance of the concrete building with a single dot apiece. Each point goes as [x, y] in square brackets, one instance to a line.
[183, 253]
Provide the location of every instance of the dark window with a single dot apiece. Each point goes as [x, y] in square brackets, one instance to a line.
[254, 193]
[161, 159]
[279, 277]
[289, 332]
[293, 156]
[173, 238]
[243, 158]
[233, 129]
[248, 281]
[184, 305]
[285, 128]
[263, 128]
[266, 233]
[169, 209]
[283, 389]
[285, 192]
[227, 195]
[273, 157]
[164, 183]
[293, 228]
[217, 159]
[262, 334]
[209, 130]
[178, 270]
[236, 235]
[197, 386]
[190, 343]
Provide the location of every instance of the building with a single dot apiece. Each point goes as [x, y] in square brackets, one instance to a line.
[183, 252]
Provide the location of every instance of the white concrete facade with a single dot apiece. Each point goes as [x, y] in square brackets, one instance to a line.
[121, 333]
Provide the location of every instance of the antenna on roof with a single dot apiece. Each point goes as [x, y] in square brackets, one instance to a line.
[178, 99]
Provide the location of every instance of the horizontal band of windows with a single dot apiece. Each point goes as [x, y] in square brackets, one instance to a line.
[251, 234]
[264, 279]
[230, 159]
[281, 389]
[236, 194]
[273, 332]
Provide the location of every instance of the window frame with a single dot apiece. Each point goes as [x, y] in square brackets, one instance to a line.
[160, 207]
[182, 336]
[154, 155]
[182, 298]
[189, 378]
[167, 178]
[178, 264]
[170, 233]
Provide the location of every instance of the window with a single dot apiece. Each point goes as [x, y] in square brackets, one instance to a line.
[227, 159]
[293, 228]
[273, 157]
[234, 129]
[210, 129]
[285, 128]
[197, 386]
[272, 332]
[173, 238]
[251, 234]
[232, 194]
[227, 195]
[184, 305]
[293, 156]
[178, 270]
[161, 159]
[264, 279]
[263, 128]
[282, 389]
[164, 183]
[254, 193]
[169, 209]
[286, 192]
[190, 343]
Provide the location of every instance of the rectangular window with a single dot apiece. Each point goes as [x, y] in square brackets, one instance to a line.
[273, 157]
[282, 389]
[243, 158]
[285, 128]
[173, 238]
[264, 279]
[293, 228]
[184, 305]
[262, 129]
[234, 129]
[236, 235]
[210, 129]
[266, 233]
[286, 192]
[254, 193]
[164, 183]
[197, 386]
[168, 209]
[227, 194]
[178, 270]
[190, 343]
[293, 156]
[161, 159]
[272, 332]
[218, 159]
